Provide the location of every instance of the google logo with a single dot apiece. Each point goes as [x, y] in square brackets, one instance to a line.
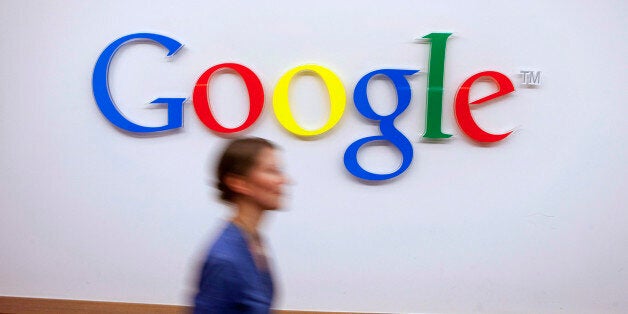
[337, 98]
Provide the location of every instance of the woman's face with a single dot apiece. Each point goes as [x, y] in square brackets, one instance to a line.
[265, 181]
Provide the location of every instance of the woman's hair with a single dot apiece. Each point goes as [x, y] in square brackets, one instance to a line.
[238, 158]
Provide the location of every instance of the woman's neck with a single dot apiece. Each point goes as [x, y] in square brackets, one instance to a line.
[248, 217]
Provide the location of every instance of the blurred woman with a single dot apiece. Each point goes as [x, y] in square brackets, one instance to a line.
[236, 277]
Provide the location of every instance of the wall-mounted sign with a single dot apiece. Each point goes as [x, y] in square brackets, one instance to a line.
[337, 99]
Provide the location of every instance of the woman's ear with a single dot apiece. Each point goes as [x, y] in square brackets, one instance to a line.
[236, 183]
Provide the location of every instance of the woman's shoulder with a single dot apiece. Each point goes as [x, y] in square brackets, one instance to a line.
[230, 245]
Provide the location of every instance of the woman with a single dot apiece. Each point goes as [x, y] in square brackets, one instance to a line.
[235, 276]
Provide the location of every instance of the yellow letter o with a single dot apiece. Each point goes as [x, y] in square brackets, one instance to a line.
[337, 100]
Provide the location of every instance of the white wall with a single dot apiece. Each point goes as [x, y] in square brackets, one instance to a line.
[534, 224]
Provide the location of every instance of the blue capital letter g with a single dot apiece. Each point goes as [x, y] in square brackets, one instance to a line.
[103, 97]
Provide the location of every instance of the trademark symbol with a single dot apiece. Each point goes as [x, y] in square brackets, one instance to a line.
[531, 78]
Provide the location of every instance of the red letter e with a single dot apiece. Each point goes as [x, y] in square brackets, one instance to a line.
[463, 109]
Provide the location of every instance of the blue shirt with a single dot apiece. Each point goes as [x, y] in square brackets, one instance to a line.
[230, 282]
